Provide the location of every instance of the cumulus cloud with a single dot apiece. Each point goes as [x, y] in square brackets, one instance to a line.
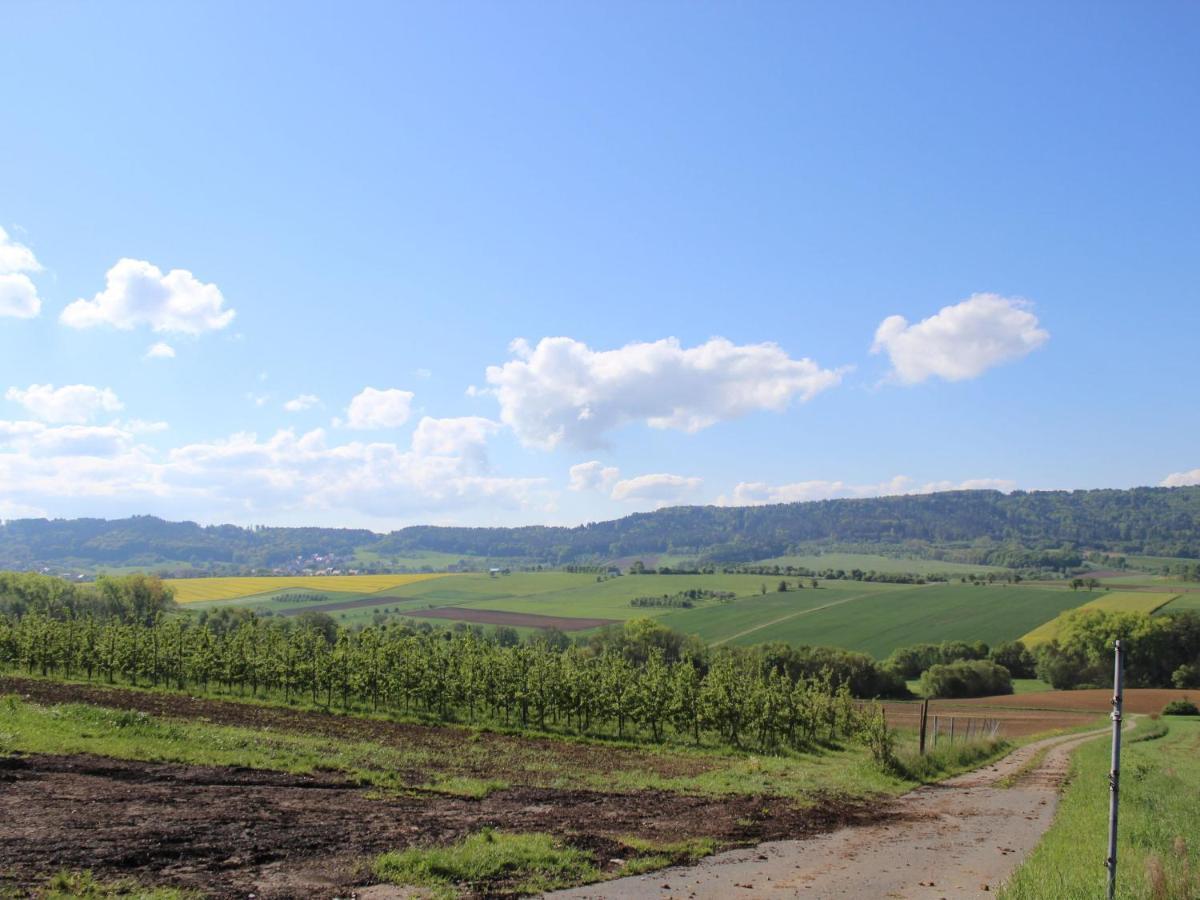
[160, 350]
[961, 341]
[1182, 479]
[374, 408]
[757, 493]
[462, 436]
[18, 297]
[68, 467]
[137, 293]
[563, 392]
[658, 489]
[71, 403]
[301, 403]
[18, 294]
[16, 257]
[593, 476]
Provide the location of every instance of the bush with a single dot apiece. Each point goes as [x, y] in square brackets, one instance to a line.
[1181, 707]
[1015, 657]
[968, 678]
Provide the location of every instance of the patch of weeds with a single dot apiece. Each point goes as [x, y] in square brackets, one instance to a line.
[942, 762]
[463, 786]
[84, 884]
[490, 862]
[1025, 768]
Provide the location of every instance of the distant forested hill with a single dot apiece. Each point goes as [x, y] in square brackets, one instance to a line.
[1021, 529]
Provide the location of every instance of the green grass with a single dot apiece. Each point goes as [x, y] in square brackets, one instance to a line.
[1159, 837]
[879, 621]
[67, 884]
[1030, 686]
[1183, 603]
[527, 862]
[762, 617]
[873, 562]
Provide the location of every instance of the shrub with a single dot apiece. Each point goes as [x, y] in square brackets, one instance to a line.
[1181, 707]
[967, 678]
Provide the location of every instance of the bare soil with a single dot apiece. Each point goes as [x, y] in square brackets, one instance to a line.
[232, 832]
[516, 620]
[1136, 700]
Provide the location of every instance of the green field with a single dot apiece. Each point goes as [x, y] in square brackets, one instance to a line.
[873, 617]
[868, 562]
[1183, 603]
[877, 622]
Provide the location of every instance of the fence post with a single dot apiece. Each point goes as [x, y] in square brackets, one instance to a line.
[924, 720]
[1114, 775]
[952, 721]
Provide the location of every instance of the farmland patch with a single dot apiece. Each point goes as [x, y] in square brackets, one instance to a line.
[192, 590]
[1116, 601]
[516, 620]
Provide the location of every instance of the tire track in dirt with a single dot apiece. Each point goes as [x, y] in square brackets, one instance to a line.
[788, 617]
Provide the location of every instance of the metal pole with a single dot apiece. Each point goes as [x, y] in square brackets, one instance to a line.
[1114, 775]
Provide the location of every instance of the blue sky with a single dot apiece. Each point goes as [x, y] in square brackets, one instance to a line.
[590, 258]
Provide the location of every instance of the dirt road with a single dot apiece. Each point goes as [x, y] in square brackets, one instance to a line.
[960, 838]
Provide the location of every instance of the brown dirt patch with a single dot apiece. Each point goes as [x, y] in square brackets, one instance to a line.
[516, 620]
[231, 832]
[1136, 700]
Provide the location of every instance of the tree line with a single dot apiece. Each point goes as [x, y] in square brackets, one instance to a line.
[1037, 530]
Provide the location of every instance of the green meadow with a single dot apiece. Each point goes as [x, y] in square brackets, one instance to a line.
[872, 617]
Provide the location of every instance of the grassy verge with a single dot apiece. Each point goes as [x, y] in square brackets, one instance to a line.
[83, 884]
[521, 863]
[1159, 837]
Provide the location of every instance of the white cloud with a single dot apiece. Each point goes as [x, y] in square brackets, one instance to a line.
[18, 297]
[373, 408]
[465, 436]
[16, 257]
[563, 392]
[18, 294]
[160, 350]
[73, 403]
[755, 493]
[659, 489]
[423, 373]
[961, 341]
[258, 399]
[74, 469]
[1181, 479]
[137, 293]
[301, 403]
[593, 476]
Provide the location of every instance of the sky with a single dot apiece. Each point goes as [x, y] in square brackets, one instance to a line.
[478, 263]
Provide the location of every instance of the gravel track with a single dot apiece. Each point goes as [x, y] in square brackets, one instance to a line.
[960, 838]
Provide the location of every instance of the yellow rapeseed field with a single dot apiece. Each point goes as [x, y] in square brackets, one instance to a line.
[194, 590]
[1124, 601]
